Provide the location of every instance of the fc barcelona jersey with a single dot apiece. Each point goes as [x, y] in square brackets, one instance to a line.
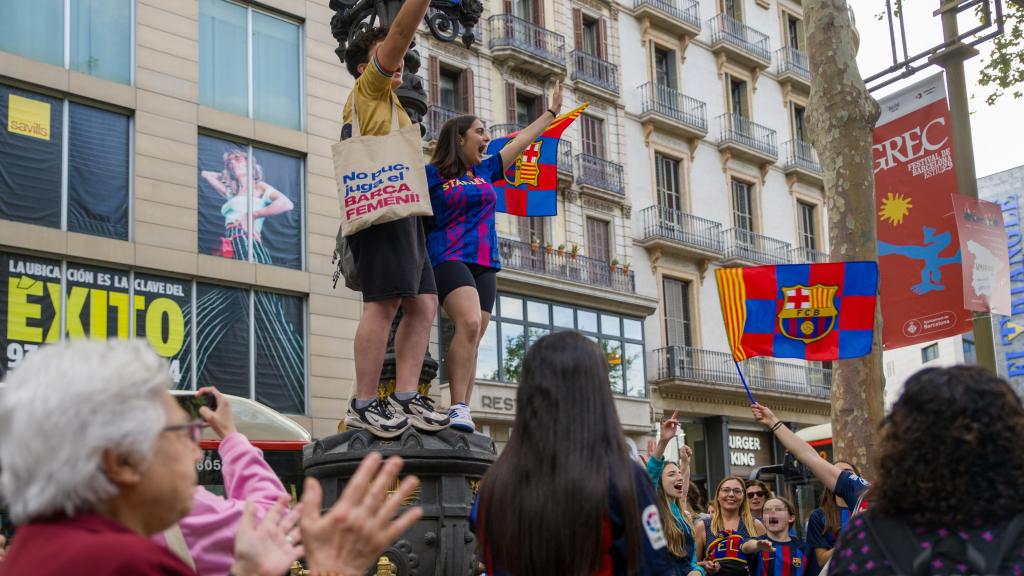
[788, 559]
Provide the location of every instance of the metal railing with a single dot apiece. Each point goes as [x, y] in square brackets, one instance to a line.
[674, 104]
[802, 255]
[436, 117]
[685, 10]
[751, 246]
[518, 255]
[699, 366]
[742, 130]
[593, 70]
[661, 222]
[502, 130]
[795, 61]
[725, 28]
[800, 154]
[599, 173]
[514, 32]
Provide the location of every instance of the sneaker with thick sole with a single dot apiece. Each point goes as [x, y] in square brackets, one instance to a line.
[379, 418]
[419, 410]
[461, 418]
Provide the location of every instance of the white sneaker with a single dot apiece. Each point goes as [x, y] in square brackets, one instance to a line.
[461, 418]
[419, 410]
[378, 418]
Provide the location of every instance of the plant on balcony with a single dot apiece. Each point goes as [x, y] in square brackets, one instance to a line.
[561, 250]
[625, 268]
[548, 248]
[574, 251]
[534, 244]
[614, 264]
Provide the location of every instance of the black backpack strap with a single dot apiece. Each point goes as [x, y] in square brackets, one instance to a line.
[897, 543]
[1007, 542]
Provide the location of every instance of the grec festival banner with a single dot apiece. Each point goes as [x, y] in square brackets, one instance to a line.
[920, 273]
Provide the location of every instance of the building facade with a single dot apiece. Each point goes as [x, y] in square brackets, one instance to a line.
[132, 157]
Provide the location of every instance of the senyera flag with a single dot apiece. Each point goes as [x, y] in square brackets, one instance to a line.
[530, 186]
[808, 311]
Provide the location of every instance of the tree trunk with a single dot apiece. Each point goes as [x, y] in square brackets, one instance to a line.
[842, 115]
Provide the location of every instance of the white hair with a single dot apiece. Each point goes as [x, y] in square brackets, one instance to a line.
[61, 408]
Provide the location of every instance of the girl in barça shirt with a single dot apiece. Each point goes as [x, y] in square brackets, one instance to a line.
[463, 242]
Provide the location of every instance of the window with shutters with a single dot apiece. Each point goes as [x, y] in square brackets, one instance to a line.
[531, 229]
[670, 196]
[732, 9]
[522, 108]
[739, 102]
[530, 10]
[591, 34]
[665, 68]
[742, 210]
[794, 32]
[798, 113]
[592, 136]
[677, 312]
[808, 234]
[598, 239]
[451, 88]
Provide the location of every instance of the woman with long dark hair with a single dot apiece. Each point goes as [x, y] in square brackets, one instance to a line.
[564, 497]
[950, 474]
[825, 522]
[463, 242]
[731, 525]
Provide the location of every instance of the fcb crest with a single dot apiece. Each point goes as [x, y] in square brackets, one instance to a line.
[526, 169]
[808, 312]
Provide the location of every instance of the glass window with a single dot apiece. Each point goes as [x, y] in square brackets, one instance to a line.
[613, 351]
[280, 352]
[487, 354]
[633, 364]
[537, 334]
[273, 212]
[101, 38]
[163, 317]
[667, 175]
[563, 317]
[632, 329]
[511, 307]
[537, 312]
[930, 352]
[98, 187]
[224, 63]
[587, 320]
[31, 175]
[449, 86]
[276, 68]
[513, 349]
[33, 29]
[677, 312]
[610, 325]
[742, 213]
[808, 236]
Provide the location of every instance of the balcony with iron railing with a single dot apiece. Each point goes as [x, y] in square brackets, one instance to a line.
[740, 42]
[435, 118]
[600, 174]
[565, 169]
[679, 17]
[794, 65]
[595, 72]
[669, 229]
[804, 255]
[800, 158]
[742, 245]
[670, 110]
[525, 257]
[747, 138]
[677, 367]
[532, 47]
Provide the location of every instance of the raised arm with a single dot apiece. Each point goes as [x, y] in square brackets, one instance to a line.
[685, 453]
[213, 179]
[512, 150]
[401, 33]
[822, 469]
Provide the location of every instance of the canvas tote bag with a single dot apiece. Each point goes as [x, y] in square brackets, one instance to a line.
[380, 178]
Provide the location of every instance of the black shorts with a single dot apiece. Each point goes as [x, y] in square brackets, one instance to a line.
[392, 260]
[453, 274]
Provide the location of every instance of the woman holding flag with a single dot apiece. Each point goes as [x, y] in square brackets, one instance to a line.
[463, 243]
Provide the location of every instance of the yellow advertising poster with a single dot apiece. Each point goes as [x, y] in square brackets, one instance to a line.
[28, 117]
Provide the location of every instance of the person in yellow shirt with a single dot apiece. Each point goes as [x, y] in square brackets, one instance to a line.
[391, 258]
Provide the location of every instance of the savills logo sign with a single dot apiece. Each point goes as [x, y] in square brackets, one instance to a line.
[28, 117]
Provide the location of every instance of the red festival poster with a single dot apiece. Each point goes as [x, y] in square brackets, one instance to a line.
[919, 258]
[986, 265]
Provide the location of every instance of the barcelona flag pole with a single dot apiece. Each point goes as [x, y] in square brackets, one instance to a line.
[744, 381]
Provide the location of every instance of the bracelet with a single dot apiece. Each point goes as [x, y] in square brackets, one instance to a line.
[776, 426]
[552, 112]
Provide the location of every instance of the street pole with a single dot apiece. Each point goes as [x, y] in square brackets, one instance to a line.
[952, 60]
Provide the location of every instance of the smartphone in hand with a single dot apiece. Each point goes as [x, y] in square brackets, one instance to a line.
[190, 402]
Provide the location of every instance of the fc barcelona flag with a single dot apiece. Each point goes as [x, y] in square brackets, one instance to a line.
[530, 186]
[808, 311]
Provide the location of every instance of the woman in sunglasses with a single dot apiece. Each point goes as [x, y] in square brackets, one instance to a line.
[757, 494]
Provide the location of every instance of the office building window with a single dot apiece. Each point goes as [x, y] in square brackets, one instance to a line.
[808, 223]
[97, 34]
[929, 352]
[264, 226]
[249, 343]
[91, 195]
[234, 39]
[518, 322]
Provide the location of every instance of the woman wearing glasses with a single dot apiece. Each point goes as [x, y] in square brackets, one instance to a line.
[757, 494]
[730, 526]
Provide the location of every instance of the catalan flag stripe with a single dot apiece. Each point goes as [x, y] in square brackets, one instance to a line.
[732, 294]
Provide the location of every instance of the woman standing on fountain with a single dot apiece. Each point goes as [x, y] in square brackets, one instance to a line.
[463, 242]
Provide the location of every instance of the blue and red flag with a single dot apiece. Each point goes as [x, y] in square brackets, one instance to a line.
[809, 311]
[530, 186]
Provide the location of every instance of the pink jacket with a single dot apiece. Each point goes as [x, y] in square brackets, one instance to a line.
[210, 528]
